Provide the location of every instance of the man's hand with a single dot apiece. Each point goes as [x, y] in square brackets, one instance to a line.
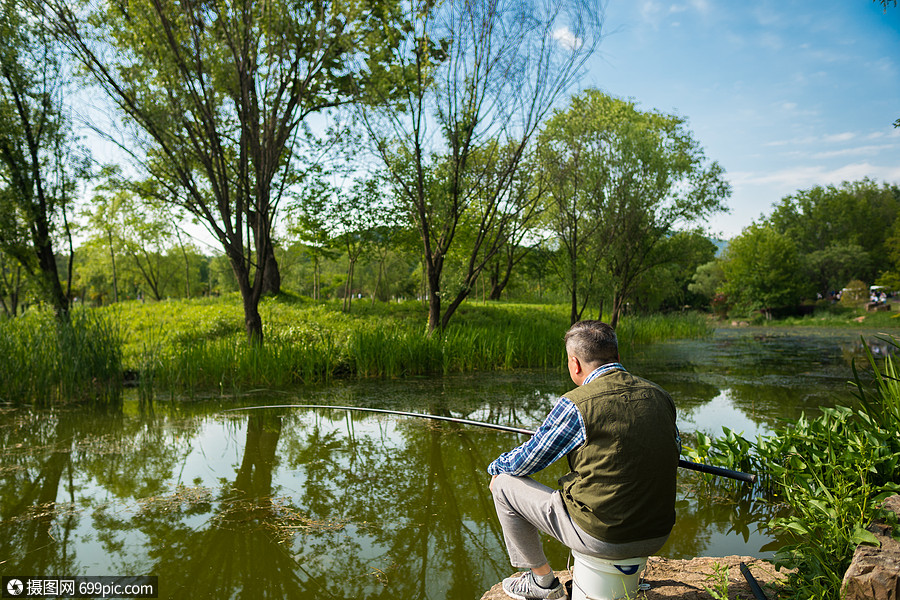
[491, 484]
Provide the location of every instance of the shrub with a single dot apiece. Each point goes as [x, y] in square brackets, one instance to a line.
[831, 472]
[855, 293]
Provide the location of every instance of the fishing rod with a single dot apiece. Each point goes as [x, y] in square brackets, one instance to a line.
[684, 464]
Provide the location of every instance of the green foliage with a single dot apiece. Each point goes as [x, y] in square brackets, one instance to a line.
[39, 162]
[707, 279]
[217, 94]
[47, 360]
[195, 346]
[761, 268]
[621, 181]
[719, 579]
[831, 471]
[855, 293]
[460, 179]
[839, 262]
[841, 232]
[890, 280]
[668, 285]
[857, 213]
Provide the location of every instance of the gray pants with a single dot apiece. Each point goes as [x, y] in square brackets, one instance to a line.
[526, 507]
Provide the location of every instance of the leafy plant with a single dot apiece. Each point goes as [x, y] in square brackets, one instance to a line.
[832, 472]
[719, 591]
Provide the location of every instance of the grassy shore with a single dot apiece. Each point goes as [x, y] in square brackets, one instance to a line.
[46, 360]
[200, 344]
[831, 316]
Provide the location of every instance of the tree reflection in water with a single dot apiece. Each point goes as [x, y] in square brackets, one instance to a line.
[300, 503]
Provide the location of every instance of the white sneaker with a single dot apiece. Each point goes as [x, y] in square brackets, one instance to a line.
[524, 587]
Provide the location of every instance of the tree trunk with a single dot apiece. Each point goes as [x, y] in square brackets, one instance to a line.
[573, 313]
[462, 295]
[434, 300]
[253, 321]
[316, 277]
[348, 289]
[500, 284]
[271, 273]
[250, 294]
[617, 307]
[112, 257]
[13, 285]
[378, 281]
[47, 261]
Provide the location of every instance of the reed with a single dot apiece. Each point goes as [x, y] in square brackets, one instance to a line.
[640, 329]
[198, 346]
[48, 361]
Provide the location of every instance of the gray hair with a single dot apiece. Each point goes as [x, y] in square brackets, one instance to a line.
[593, 342]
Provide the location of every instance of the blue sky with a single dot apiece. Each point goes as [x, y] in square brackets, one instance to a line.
[785, 95]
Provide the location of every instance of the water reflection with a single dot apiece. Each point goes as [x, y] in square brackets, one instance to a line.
[299, 503]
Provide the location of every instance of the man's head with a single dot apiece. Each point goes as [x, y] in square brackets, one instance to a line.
[590, 344]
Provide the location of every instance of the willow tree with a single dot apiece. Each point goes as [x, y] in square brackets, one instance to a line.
[625, 180]
[477, 77]
[214, 93]
[39, 162]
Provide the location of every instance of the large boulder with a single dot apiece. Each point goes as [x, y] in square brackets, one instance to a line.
[874, 572]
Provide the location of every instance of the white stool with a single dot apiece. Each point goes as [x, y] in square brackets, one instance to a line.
[600, 579]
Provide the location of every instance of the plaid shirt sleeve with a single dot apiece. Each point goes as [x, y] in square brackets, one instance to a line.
[560, 433]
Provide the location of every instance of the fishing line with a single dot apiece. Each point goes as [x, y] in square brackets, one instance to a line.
[684, 464]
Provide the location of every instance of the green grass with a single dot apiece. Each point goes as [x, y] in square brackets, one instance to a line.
[200, 345]
[636, 330]
[46, 361]
[838, 316]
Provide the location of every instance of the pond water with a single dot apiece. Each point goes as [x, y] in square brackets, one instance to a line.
[298, 503]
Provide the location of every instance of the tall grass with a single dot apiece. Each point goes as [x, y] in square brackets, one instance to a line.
[635, 330]
[198, 346]
[46, 360]
[831, 472]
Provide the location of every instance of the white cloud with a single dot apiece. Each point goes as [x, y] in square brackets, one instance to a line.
[566, 38]
[701, 6]
[651, 13]
[839, 137]
[870, 150]
[797, 178]
[835, 138]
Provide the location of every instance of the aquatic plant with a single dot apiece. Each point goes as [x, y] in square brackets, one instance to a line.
[646, 329]
[198, 346]
[831, 472]
[47, 360]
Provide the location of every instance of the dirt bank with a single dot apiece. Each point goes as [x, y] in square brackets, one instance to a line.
[688, 579]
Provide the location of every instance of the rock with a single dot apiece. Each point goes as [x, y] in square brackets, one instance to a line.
[877, 306]
[874, 572]
[688, 579]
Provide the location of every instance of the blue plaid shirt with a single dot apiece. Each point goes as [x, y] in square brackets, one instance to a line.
[561, 432]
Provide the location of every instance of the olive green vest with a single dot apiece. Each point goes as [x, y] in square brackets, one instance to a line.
[621, 484]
